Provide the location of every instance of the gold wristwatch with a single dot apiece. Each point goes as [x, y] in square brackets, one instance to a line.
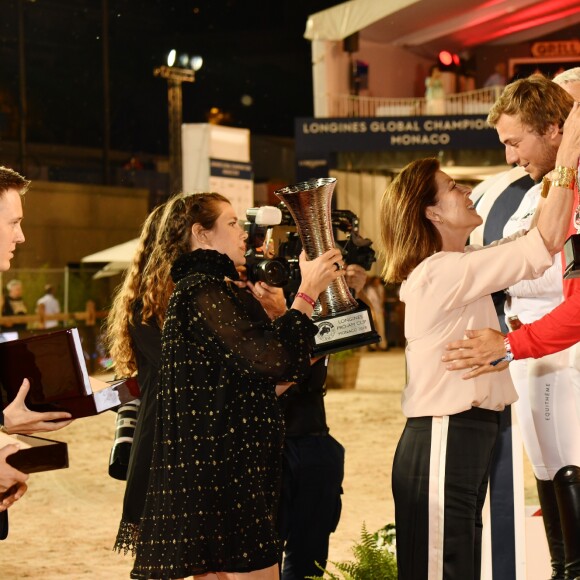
[559, 177]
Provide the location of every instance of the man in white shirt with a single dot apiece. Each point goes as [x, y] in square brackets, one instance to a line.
[47, 305]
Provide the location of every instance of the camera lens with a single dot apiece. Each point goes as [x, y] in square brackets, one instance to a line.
[124, 430]
[273, 272]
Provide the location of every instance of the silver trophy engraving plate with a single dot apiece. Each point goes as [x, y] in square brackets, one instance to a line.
[343, 327]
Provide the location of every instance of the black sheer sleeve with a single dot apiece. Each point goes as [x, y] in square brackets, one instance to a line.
[277, 351]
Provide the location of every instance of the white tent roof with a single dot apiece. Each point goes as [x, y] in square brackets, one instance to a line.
[121, 254]
[345, 19]
[428, 26]
[118, 258]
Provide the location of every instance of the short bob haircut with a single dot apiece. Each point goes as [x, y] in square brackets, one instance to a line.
[408, 237]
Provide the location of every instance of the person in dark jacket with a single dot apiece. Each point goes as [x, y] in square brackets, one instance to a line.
[133, 337]
[16, 418]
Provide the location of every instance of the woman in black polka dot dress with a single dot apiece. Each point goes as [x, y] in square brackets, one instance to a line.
[215, 475]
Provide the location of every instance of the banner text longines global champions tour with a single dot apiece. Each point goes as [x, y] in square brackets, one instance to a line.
[368, 134]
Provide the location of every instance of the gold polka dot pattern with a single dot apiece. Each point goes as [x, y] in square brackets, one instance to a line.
[215, 475]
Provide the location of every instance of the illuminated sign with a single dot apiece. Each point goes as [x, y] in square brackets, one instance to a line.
[317, 135]
[556, 48]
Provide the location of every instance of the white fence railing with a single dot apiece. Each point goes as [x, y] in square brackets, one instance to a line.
[476, 102]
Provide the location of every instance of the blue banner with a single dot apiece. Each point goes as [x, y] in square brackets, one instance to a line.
[232, 169]
[322, 135]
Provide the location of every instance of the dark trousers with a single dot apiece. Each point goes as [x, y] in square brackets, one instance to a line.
[310, 503]
[3, 525]
[440, 476]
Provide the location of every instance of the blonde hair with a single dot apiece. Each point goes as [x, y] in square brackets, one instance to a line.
[536, 101]
[407, 236]
[10, 179]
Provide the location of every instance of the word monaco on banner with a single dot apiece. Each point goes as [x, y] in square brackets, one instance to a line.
[375, 134]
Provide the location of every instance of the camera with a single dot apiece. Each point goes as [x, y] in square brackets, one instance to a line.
[281, 268]
[261, 265]
[124, 430]
[355, 248]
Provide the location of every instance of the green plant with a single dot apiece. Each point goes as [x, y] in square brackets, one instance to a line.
[374, 558]
[344, 354]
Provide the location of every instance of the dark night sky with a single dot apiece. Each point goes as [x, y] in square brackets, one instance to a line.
[253, 47]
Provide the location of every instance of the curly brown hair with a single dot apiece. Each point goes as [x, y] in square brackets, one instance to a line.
[407, 236]
[165, 236]
[174, 240]
[120, 317]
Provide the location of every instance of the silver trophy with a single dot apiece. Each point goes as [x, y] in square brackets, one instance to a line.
[343, 322]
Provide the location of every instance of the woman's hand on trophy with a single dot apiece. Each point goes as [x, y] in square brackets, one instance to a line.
[317, 274]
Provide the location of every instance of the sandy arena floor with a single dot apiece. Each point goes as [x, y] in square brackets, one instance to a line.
[66, 524]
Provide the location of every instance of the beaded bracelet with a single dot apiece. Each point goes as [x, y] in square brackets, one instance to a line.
[306, 298]
[509, 357]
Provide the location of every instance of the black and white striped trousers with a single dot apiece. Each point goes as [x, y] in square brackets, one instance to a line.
[440, 476]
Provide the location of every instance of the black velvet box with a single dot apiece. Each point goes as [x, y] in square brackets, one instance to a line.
[37, 454]
[54, 363]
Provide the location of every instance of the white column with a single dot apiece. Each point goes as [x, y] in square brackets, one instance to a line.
[319, 80]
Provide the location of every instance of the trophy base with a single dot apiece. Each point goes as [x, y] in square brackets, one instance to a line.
[572, 257]
[345, 331]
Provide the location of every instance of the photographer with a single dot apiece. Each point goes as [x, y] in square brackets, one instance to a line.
[313, 462]
[313, 469]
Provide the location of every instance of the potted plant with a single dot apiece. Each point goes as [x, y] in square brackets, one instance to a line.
[374, 558]
[343, 369]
